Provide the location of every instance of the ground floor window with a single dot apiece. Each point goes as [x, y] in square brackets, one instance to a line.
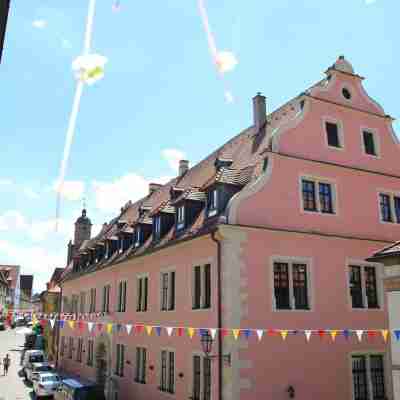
[368, 377]
[201, 378]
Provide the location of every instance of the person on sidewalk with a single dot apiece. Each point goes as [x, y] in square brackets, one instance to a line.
[6, 364]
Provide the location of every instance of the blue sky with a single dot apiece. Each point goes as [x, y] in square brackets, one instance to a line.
[160, 99]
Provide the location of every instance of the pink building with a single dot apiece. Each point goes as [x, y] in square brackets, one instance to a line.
[271, 231]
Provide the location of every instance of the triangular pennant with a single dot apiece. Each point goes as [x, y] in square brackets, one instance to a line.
[169, 330]
[346, 334]
[260, 333]
[80, 325]
[397, 334]
[139, 328]
[359, 333]
[224, 332]
[385, 334]
[371, 334]
[119, 328]
[158, 330]
[333, 334]
[321, 333]
[99, 326]
[71, 324]
[109, 327]
[61, 323]
[149, 328]
[213, 333]
[43, 322]
[180, 331]
[246, 333]
[90, 326]
[236, 333]
[52, 322]
[128, 328]
[308, 335]
[190, 332]
[284, 334]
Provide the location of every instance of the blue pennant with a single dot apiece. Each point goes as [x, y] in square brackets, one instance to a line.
[246, 333]
[346, 333]
[397, 334]
[158, 330]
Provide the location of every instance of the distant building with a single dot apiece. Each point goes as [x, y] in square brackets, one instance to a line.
[4, 10]
[390, 258]
[3, 294]
[12, 275]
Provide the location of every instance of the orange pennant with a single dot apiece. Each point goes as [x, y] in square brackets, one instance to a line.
[385, 334]
[333, 335]
[284, 334]
[236, 333]
[149, 328]
[190, 332]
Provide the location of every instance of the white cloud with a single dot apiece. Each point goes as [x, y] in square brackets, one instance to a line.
[6, 182]
[34, 260]
[370, 1]
[40, 230]
[30, 193]
[12, 220]
[173, 156]
[39, 23]
[71, 190]
[111, 196]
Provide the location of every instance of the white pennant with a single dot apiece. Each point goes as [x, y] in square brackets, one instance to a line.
[213, 332]
[129, 328]
[359, 334]
[169, 330]
[260, 333]
[308, 335]
[90, 326]
[52, 322]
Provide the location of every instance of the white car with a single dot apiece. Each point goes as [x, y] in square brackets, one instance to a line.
[32, 356]
[38, 367]
[45, 384]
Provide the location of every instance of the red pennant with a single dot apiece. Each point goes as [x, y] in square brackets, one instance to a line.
[99, 326]
[138, 328]
[43, 322]
[271, 332]
[224, 332]
[180, 331]
[321, 333]
[371, 334]
[80, 325]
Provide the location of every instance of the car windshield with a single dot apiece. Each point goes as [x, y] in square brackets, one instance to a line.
[36, 358]
[43, 368]
[50, 378]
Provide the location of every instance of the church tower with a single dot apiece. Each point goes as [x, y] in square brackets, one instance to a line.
[83, 229]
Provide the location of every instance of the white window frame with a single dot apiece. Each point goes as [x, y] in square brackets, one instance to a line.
[202, 286]
[90, 354]
[191, 386]
[376, 138]
[379, 284]
[120, 366]
[392, 194]
[317, 180]
[290, 260]
[138, 232]
[121, 296]
[386, 367]
[180, 221]
[82, 304]
[141, 365]
[168, 350]
[79, 350]
[141, 306]
[157, 226]
[167, 271]
[340, 132]
[106, 298]
[92, 303]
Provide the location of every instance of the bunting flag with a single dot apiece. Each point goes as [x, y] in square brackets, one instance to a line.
[61, 324]
[284, 334]
[247, 333]
[99, 327]
[180, 331]
[213, 333]
[371, 334]
[333, 335]
[158, 330]
[397, 334]
[271, 332]
[385, 334]
[149, 328]
[109, 327]
[52, 323]
[90, 326]
[260, 333]
[139, 328]
[346, 334]
[128, 328]
[169, 330]
[359, 333]
[71, 324]
[224, 332]
[308, 335]
[190, 332]
[321, 333]
[236, 333]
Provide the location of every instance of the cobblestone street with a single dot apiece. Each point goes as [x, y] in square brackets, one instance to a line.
[12, 386]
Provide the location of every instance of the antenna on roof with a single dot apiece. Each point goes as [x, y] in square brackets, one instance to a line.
[84, 203]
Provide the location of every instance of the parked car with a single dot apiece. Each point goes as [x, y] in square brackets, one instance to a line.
[2, 326]
[77, 389]
[32, 356]
[20, 321]
[46, 384]
[38, 367]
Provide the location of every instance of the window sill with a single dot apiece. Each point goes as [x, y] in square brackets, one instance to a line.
[140, 382]
[316, 212]
[307, 310]
[212, 213]
[364, 309]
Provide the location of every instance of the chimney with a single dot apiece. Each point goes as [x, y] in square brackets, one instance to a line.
[183, 167]
[259, 111]
[153, 187]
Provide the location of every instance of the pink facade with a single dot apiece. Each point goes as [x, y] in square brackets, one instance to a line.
[265, 227]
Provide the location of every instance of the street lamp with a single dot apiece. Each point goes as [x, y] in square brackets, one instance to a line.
[206, 344]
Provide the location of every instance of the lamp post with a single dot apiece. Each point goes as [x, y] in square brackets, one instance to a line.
[207, 343]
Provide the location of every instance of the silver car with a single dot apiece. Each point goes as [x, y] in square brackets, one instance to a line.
[45, 384]
[38, 367]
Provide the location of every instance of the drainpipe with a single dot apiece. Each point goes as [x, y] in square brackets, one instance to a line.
[219, 315]
[57, 326]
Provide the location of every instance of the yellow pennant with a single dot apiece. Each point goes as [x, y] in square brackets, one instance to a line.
[190, 332]
[236, 333]
[284, 334]
[71, 324]
[149, 328]
[385, 334]
[333, 335]
[109, 328]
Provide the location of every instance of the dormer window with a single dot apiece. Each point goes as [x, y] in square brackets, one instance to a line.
[212, 202]
[157, 227]
[180, 219]
[138, 236]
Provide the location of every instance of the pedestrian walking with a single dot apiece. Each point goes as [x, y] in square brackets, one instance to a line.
[6, 364]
